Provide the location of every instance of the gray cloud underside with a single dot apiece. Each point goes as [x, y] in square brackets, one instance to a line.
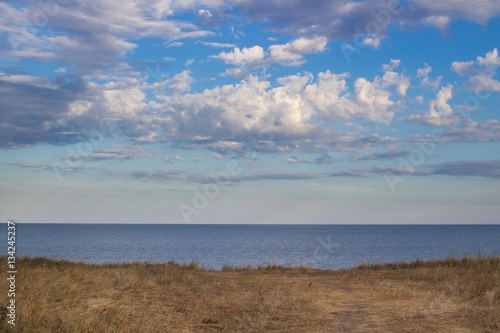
[463, 168]
[488, 169]
[29, 115]
[344, 19]
[390, 155]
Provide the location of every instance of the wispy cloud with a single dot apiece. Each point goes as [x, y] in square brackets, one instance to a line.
[218, 45]
[464, 168]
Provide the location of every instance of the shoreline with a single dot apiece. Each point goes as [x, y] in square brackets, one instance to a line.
[443, 260]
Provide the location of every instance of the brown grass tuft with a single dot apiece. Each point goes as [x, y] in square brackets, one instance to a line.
[445, 295]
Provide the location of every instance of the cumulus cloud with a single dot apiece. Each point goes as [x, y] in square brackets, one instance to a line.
[440, 113]
[368, 101]
[373, 42]
[392, 78]
[392, 65]
[252, 57]
[236, 112]
[483, 70]
[181, 82]
[289, 112]
[462, 68]
[290, 115]
[423, 74]
[289, 54]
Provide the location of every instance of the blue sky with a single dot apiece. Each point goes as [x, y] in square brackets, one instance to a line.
[250, 111]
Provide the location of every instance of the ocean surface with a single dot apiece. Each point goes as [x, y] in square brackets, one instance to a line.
[322, 246]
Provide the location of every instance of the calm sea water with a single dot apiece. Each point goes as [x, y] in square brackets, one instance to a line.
[322, 246]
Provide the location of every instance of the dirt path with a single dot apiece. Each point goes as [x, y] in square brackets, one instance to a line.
[353, 307]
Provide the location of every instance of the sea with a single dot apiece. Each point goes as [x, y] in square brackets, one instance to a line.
[320, 246]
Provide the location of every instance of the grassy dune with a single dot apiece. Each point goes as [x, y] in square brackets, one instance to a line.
[448, 295]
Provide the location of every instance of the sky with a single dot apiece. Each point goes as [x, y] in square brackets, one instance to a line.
[250, 111]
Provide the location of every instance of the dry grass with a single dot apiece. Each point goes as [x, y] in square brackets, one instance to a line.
[448, 295]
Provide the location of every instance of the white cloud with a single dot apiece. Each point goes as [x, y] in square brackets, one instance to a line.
[173, 158]
[479, 11]
[174, 44]
[439, 106]
[482, 82]
[491, 60]
[218, 45]
[181, 82]
[204, 14]
[392, 65]
[373, 42]
[438, 21]
[292, 53]
[238, 73]
[440, 113]
[289, 54]
[252, 56]
[391, 78]
[372, 102]
[462, 68]
[483, 68]
[426, 81]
